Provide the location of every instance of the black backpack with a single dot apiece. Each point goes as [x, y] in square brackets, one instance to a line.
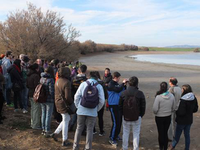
[130, 107]
[90, 97]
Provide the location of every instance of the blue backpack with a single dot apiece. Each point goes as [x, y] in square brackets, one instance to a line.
[90, 97]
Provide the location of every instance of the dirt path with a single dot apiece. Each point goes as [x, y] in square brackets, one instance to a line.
[149, 74]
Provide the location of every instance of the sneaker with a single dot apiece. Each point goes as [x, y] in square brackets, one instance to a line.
[16, 110]
[102, 133]
[113, 143]
[47, 135]
[24, 111]
[53, 135]
[119, 139]
[94, 132]
[10, 105]
[66, 143]
[43, 133]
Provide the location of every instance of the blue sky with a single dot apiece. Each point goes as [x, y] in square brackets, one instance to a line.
[139, 22]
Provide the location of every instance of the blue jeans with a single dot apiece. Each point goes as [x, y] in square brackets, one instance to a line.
[179, 129]
[47, 110]
[25, 97]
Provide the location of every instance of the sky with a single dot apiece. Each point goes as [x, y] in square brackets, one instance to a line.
[137, 22]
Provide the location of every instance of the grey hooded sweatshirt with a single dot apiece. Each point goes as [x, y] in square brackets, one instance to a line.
[164, 105]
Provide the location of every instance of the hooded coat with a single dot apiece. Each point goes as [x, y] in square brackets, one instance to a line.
[188, 106]
[63, 90]
[164, 105]
[33, 79]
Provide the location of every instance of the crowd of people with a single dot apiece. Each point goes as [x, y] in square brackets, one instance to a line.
[66, 84]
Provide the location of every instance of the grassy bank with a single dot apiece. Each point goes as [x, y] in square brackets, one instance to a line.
[170, 49]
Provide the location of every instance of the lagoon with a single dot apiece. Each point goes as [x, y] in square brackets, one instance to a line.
[183, 59]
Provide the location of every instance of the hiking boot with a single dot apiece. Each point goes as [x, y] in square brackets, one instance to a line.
[66, 143]
[53, 135]
[102, 133]
[113, 143]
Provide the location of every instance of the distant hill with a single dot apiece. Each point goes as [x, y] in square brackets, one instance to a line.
[184, 46]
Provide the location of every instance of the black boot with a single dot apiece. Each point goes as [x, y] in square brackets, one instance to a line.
[66, 143]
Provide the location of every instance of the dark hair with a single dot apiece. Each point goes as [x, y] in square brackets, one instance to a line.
[17, 62]
[93, 74]
[83, 68]
[34, 66]
[186, 89]
[107, 69]
[163, 88]
[97, 74]
[50, 70]
[173, 80]
[116, 74]
[8, 53]
[133, 81]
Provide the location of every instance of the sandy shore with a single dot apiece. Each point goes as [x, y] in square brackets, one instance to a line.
[150, 75]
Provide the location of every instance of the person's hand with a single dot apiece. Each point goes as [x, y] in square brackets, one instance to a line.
[125, 81]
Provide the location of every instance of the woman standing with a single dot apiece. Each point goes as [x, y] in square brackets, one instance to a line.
[62, 99]
[47, 78]
[184, 116]
[33, 79]
[16, 78]
[163, 107]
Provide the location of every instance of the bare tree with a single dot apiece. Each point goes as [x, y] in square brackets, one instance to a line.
[38, 34]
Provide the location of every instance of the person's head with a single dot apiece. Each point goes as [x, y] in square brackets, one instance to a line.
[107, 71]
[163, 88]
[9, 54]
[17, 62]
[186, 89]
[93, 75]
[116, 76]
[64, 72]
[133, 81]
[97, 74]
[21, 56]
[82, 69]
[173, 81]
[39, 62]
[50, 71]
[34, 67]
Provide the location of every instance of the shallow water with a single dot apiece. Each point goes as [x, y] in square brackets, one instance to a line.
[188, 59]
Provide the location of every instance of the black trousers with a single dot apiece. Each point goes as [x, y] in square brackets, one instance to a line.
[163, 124]
[1, 102]
[116, 121]
[100, 118]
[17, 99]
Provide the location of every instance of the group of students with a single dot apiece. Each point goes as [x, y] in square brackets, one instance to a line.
[65, 85]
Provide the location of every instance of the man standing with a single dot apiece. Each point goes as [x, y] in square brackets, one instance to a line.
[176, 91]
[6, 63]
[80, 77]
[132, 105]
[85, 115]
[114, 92]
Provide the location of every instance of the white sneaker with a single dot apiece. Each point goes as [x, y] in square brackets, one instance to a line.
[24, 111]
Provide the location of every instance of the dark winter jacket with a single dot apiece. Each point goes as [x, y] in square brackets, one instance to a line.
[76, 83]
[114, 92]
[188, 105]
[16, 76]
[104, 88]
[141, 102]
[63, 90]
[49, 85]
[107, 79]
[2, 81]
[33, 79]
